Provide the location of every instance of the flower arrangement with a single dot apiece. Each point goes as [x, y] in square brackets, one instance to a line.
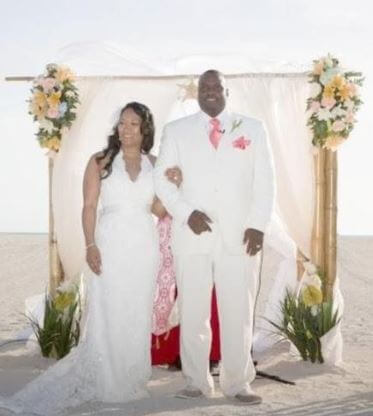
[333, 103]
[53, 101]
[60, 330]
[306, 316]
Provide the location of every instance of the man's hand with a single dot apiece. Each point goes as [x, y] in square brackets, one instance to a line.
[174, 175]
[254, 240]
[199, 222]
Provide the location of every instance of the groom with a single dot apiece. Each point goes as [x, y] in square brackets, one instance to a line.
[220, 214]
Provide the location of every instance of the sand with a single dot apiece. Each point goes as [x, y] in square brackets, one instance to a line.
[319, 389]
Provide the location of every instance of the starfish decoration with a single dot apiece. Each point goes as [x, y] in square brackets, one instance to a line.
[189, 90]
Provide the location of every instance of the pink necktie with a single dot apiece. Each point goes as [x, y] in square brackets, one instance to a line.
[215, 132]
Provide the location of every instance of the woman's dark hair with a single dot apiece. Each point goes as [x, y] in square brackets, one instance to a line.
[147, 130]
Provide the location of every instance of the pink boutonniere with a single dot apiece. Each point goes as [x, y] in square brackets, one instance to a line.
[241, 143]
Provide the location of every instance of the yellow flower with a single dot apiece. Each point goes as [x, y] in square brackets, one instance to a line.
[311, 295]
[39, 98]
[52, 144]
[328, 91]
[37, 110]
[344, 92]
[64, 300]
[54, 100]
[338, 81]
[38, 105]
[64, 73]
[333, 141]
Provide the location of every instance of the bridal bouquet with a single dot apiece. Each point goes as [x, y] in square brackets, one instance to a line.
[53, 101]
[306, 316]
[60, 329]
[333, 103]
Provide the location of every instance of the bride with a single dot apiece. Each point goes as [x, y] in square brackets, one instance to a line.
[112, 361]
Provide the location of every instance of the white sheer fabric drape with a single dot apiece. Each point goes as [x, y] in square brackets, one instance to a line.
[280, 102]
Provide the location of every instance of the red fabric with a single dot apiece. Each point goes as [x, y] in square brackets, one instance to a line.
[166, 347]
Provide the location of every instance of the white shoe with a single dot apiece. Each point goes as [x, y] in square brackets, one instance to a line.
[248, 397]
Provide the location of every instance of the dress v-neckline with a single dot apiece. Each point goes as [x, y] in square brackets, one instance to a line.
[123, 162]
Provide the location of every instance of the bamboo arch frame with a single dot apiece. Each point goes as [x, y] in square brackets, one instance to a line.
[324, 232]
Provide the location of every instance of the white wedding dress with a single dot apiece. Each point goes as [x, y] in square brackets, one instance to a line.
[112, 362]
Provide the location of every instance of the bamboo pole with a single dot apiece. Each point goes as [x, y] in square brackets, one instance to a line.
[318, 241]
[324, 233]
[330, 235]
[56, 274]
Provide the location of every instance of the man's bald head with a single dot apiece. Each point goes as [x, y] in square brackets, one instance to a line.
[212, 92]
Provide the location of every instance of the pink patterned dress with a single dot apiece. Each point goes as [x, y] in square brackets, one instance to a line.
[164, 298]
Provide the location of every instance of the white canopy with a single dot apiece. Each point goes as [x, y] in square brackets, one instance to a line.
[278, 99]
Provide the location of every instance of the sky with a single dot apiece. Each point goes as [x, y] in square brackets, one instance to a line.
[172, 35]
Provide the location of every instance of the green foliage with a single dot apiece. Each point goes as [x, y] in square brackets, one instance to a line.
[305, 325]
[61, 326]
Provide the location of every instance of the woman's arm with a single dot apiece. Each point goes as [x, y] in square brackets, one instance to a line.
[91, 192]
[157, 208]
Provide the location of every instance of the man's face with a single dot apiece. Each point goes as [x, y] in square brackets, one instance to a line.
[211, 94]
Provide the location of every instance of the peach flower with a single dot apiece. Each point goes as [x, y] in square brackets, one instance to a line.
[315, 106]
[352, 88]
[318, 67]
[328, 102]
[64, 73]
[350, 117]
[52, 113]
[338, 126]
[47, 83]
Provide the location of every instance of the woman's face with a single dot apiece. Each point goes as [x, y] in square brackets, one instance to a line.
[129, 129]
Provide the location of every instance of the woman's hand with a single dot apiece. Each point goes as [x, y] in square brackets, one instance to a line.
[174, 175]
[93, 258]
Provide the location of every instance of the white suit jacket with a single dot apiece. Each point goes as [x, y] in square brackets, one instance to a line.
[234, 184]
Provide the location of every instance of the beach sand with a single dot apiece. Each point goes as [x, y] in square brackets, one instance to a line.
[319, 389]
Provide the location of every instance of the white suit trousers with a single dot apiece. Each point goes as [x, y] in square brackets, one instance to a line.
[235, 278]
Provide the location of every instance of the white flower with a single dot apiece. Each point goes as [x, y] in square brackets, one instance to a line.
[349, 104]
[69, 285]
[314, 280]
[338, 126]
[310, 276]
[314, 310]
[70, 93]
[324, 114]
[315, 89]
[47, 125]
[311, 280]
[310, 267]
[338, 111]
